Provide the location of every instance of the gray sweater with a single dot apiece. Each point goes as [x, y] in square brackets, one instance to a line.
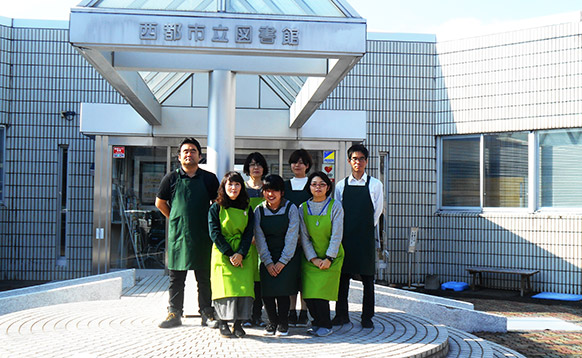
[291, 237]
[337, 228]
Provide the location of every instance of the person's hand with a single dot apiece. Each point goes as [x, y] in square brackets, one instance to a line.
[279, 266]
[316, 261]
[324, 264]
[271, 270]
[236, 260]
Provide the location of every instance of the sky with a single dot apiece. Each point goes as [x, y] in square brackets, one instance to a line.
[441, 17]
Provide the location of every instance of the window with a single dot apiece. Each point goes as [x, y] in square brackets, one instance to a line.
[506, 170]
[560, 167]
[63, 162]
[460, 175]
[488, 170]
[533, 170]
[2, 160]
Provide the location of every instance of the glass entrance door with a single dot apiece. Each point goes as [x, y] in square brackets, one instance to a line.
[138, 229]
[129, 231]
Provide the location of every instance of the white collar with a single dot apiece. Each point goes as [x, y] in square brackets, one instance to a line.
[364, 178]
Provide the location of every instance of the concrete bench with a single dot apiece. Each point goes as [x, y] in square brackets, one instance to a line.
[525, 284]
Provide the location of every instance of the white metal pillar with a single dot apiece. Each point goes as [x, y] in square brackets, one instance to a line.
[221, 121]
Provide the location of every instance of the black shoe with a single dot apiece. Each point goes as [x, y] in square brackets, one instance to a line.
[207, 314]
[270, 329]
[173, 320]
[247, 323]
[259, 323]
[302, 320]
[224, 329]
[339, 320]
[239, 332]
[292, 318]
[282, 329]
[367, 323]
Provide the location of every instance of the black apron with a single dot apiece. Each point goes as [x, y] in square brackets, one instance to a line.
[287, 282]
[297, 197]
[358, 240]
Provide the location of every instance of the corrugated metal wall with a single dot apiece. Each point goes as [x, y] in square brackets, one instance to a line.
[413, 92]
[47, 76]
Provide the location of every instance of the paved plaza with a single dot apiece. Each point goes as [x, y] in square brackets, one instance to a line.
[128, 328]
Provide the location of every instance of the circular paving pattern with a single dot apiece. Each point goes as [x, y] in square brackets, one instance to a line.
[128, 328]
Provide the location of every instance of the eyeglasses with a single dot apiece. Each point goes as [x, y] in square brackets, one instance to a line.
[360, 159]
[256, 165]
[318, 185]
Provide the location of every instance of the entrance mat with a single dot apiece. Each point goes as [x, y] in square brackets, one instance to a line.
[557, 296]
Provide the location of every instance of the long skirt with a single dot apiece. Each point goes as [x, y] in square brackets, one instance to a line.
[233, 308]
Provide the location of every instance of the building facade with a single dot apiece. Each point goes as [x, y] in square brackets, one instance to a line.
[477, 142]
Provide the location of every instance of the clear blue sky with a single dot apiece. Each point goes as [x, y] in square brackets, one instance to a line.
[413, 16]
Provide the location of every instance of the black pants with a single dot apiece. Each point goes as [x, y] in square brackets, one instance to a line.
[177, 281]
[258, 302]
[319, 310]
[277, 309]
[341, 306]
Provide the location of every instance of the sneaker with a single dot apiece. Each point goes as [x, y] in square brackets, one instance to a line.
[323, 332]
[312, 330]
[257, 322]
[302, 320]
[173, 320]
[270, 329]
[292, 318]
[339, 320]
[247, 324]
[367, 323]
[224, 330]
[282, 329]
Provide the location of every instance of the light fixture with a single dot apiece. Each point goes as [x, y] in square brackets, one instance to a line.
[68, 115]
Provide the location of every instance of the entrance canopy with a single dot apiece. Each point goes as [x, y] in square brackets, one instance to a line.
[147, 48]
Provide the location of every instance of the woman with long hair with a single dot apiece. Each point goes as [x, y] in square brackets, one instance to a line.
[322, 220]
[230, 222]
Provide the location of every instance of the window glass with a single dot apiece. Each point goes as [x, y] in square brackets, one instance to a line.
[506, 170]
[460, 175]
[2, 143]
[560, 167]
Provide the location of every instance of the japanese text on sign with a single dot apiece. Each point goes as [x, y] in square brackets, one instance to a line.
[267, 35]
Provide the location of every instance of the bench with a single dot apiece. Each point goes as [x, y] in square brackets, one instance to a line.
[525, 284]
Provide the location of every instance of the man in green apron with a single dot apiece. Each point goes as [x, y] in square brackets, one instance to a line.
[184, 198]
[362, 198]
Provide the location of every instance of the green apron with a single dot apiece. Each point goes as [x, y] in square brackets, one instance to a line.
[253, 253]
[297, 197]
[358, 240]
[189, 244]
[225, 279]
[287, 282]
[316, 283]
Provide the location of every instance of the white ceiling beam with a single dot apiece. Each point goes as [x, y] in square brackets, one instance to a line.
[183, 62]
[129, 84]
[315, 90]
